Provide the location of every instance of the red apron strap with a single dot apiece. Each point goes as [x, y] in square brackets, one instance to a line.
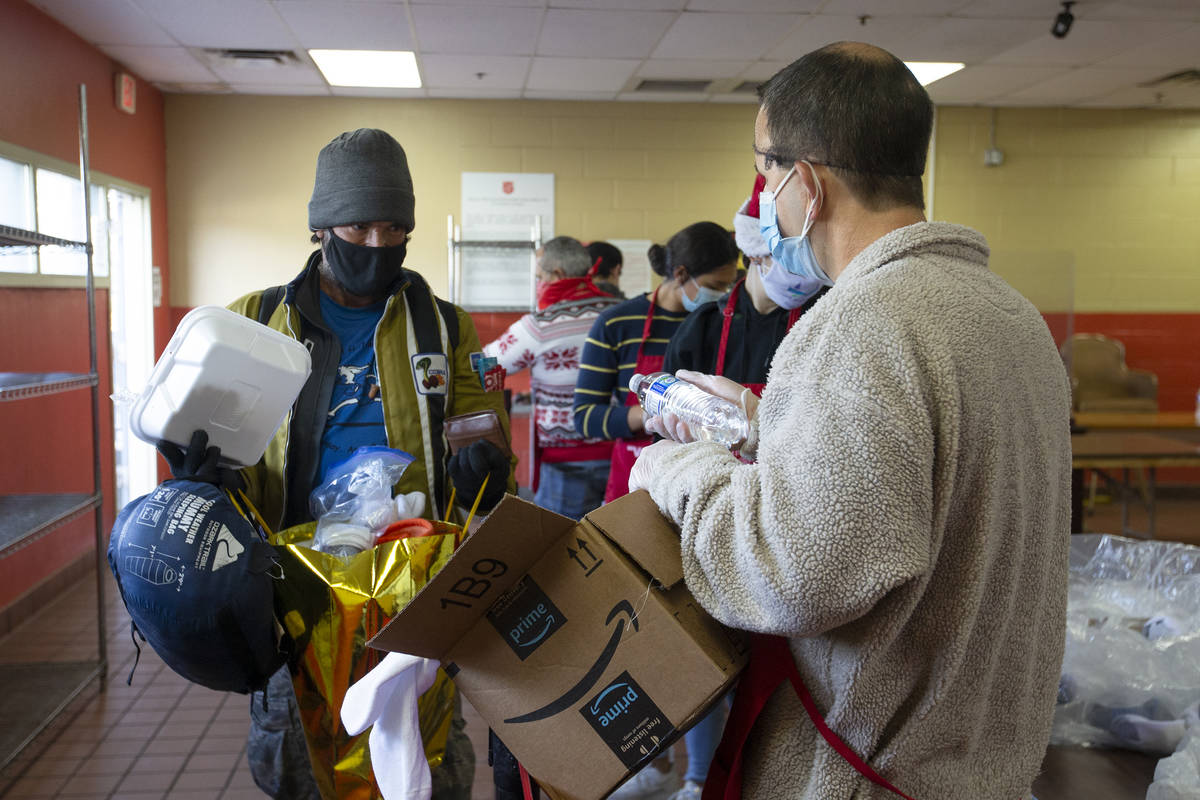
[727, 313]
[794, 315]
[771, 663]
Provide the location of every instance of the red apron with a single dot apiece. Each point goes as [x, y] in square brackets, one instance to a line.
[730, 305]
[626, 451]
[771, 664]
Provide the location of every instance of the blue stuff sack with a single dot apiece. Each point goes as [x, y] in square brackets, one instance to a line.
[196, 578]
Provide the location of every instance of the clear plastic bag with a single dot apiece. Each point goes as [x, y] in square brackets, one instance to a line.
[354, 504]
[1130, 675]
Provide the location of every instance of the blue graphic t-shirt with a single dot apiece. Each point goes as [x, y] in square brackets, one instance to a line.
[355, 407]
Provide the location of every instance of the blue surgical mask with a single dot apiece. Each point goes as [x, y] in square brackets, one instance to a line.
[794, 253]
[703, 295]
[785, 289]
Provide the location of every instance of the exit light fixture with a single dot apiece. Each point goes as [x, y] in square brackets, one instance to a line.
[395, 69]
[929, 71]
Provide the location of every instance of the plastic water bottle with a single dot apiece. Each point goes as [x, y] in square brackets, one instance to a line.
[710, 418]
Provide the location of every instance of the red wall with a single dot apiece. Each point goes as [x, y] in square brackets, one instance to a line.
[47, 441]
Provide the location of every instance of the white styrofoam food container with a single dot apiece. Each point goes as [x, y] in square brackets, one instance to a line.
[224, 373]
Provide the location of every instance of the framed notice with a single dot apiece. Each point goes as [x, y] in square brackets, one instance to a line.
[501, 207]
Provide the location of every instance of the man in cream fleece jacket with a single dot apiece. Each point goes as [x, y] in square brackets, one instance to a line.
[906, 523]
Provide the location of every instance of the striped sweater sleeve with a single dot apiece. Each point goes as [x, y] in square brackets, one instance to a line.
[595, 415]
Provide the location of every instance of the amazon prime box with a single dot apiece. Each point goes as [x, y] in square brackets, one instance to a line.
[577, 642]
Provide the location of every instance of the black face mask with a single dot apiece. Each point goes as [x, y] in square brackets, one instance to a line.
[363, 271]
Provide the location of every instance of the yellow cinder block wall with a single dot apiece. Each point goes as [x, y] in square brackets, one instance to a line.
[240, 172]
[1106, 198]
[1115, 193]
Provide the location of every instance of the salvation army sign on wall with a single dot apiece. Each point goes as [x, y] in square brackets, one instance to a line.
[501, 206]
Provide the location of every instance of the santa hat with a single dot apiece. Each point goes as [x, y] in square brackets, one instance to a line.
[745, 224]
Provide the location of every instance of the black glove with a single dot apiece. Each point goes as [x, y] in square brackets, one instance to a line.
[470, 465]
[199, 462]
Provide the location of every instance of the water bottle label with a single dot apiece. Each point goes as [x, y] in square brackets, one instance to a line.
[656, 393]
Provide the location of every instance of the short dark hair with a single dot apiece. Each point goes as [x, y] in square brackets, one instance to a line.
[858, 110]
[609, 255]
[700, 247]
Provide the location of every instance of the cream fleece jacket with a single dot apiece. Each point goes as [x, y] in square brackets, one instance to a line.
[906, 525]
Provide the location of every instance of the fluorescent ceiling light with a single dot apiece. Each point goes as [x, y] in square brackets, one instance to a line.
[379, 68]
[929, 71]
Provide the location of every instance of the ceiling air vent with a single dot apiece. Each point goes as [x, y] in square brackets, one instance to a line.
[268, 59]
[1187, 77]
[747, 87]
[659, 85]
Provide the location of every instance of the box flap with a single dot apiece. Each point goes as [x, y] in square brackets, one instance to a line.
[514, 536]
[635, 524]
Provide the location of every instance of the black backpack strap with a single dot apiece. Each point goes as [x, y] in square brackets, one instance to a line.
[270, 301]
[421, 305]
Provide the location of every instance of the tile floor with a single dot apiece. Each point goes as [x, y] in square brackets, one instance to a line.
[165, 738]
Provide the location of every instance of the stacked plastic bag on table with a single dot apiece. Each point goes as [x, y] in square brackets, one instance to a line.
[1131, 671]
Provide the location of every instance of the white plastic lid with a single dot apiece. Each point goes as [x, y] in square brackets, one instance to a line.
[225, 374]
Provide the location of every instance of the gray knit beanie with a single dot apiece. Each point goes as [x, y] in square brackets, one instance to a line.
[362, 176]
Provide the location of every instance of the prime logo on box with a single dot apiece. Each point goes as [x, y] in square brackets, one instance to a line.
[627, 720]
[525, 617]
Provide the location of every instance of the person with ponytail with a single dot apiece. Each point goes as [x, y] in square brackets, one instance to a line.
[698, 264]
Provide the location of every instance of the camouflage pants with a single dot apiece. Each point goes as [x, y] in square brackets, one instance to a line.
[278, 754]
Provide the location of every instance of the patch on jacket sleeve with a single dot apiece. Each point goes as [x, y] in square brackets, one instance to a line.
[430, 373]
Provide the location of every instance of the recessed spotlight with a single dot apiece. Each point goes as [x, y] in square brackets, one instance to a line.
[395, 69]
[929, 71]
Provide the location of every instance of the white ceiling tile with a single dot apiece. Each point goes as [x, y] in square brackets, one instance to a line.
[602, 34]
[275, 89]
[580, 74]
[537, 94]
[1081, 84]
[1178, 10]
[762, 71]
[462, 72]
[1087, 43]
[476, 94]
[478, 31]
[375, 91]
[685, 69]
[1177, 50]
[892, 8]
[1013, 9]
[723, 36]
[169, 64]
[639, 5]
[817, 31]
[221, 23]
[503, 3]
[978, 84]
[107, 21]
[910, 38]
[347, 26]
[756, 6]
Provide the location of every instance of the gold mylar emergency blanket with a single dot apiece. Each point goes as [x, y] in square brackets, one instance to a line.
[331, 607]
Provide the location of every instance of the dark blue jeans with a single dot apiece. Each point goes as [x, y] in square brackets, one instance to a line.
[572, 488]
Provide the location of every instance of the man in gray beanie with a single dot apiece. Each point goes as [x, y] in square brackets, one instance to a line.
[390, 362]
